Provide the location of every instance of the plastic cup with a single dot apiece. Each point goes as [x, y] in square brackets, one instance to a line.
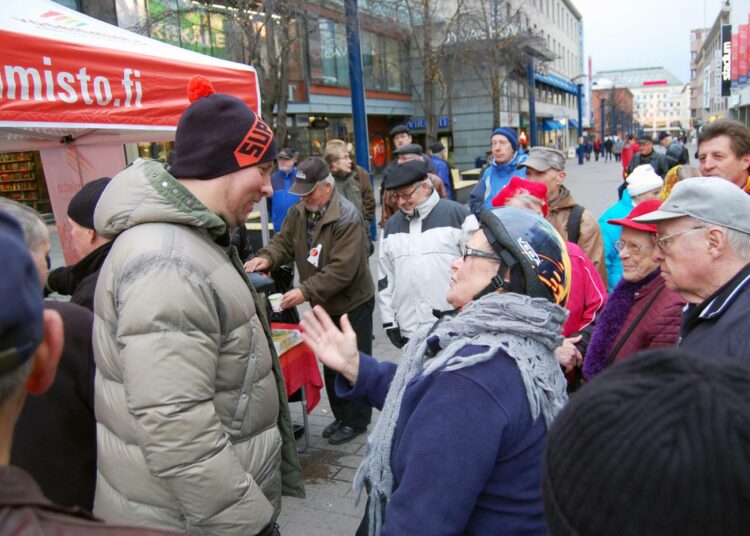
[275, 300]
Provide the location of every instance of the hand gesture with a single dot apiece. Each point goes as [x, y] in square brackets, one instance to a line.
[568, 355]
[336, 348]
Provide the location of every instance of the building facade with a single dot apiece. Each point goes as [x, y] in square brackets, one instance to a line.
[317, 95]
[661, 102]
[617, 105]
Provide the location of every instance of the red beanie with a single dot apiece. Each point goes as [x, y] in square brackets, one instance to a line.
[518, 186]
[218, 134]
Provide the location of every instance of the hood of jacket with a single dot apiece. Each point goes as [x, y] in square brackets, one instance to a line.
[562, 201]
[145, 192]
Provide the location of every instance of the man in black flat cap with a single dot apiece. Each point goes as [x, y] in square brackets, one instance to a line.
[418, 244]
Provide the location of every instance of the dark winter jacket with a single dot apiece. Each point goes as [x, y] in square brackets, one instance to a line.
[25, 510]
[79, 281]
[55, 436]
[466, 454]
[655, 160]
[719, 325]
[341, 279]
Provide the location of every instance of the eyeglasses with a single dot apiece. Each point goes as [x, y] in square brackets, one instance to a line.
[406, 197]
[633, 248]
[470, 252]
[664, 241]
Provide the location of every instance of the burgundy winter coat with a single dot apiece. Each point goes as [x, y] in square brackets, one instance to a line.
[660, 325]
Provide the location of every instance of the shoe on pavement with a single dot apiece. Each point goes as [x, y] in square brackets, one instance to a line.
[331, 428]
[345, 434]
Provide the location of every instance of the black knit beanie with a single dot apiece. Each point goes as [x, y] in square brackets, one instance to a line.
[82, 205]
[218, 134]
[658, 444]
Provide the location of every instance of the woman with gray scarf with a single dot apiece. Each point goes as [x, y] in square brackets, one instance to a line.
[458, 446]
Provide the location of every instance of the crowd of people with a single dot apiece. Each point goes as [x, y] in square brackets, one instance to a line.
[546, 356]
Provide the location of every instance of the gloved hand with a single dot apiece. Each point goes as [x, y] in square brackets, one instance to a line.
[394, 334]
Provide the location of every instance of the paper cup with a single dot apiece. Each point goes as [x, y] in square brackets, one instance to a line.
[275, 300]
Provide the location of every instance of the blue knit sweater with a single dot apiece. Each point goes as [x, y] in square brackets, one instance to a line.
[466, 456]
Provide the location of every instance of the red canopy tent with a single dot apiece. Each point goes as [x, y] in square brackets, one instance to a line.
[76, 89]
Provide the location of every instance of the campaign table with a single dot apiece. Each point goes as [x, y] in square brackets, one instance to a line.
[301, 374]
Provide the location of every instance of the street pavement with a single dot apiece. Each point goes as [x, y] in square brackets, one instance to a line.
[329, 507]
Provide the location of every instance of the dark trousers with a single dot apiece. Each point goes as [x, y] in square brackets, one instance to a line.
[352, 412]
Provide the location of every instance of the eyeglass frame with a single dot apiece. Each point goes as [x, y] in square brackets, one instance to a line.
[660, 240]
[622, 244]
[471, 252]
[406, 197]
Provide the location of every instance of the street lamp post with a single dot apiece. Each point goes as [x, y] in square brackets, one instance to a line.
[532, 101]
[579, 150]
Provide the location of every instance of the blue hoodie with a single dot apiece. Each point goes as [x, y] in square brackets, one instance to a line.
[495, 178]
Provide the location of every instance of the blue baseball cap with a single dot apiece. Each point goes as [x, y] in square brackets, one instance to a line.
[21, 300]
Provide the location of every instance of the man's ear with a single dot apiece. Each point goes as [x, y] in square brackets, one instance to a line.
[91, 233]
[718, 242]
[561, 177]
[48, 354]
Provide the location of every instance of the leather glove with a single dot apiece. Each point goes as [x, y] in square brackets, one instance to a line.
[394, 334]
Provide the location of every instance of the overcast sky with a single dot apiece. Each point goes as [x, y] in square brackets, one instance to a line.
[625, 34]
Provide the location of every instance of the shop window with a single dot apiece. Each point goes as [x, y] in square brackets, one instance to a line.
[188, 25]
[328, 53]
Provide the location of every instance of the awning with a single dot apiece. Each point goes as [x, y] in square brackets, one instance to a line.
[557, 81]
[572, 123]
[552, 124]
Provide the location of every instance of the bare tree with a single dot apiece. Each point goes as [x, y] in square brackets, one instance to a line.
[492, 43]
[262, 34]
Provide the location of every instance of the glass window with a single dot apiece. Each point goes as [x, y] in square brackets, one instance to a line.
[395, 60]
[329, 63]
[372, 61]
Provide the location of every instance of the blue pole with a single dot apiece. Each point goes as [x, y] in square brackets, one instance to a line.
[603, 118]
[356, 84]
[613, 126]
[580, 122]
[532, 101]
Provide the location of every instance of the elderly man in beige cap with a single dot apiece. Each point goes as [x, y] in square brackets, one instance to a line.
[702, 245]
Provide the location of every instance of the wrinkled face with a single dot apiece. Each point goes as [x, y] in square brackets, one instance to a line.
[717, 159]
[342, 164]
[399, 140]
[243, 189]
[684, 259]
[636, 254]
[286, 164]
[319, 197]
[471, 275]
[411, 195]
[82, 238]
[552, 178]
[502, 150]
[647, 148]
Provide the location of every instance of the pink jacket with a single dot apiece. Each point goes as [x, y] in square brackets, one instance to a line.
[588, 293]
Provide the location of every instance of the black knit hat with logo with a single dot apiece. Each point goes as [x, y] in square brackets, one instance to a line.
[218, 134]
[657, 444]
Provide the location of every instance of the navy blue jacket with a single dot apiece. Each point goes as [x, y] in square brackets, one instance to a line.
[719, 325]
[466, 456]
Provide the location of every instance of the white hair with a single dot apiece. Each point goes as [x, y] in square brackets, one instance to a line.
[12, 382]
[739, 242]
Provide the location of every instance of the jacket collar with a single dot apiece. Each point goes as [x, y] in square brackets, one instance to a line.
[723, 298]
[563, 200]
[18, 489]
[91, 262]
[423, 209]
[650, 286]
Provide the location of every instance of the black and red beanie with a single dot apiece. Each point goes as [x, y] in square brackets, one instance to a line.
[218, 134]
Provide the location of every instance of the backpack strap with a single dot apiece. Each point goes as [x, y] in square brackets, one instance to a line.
[574, 223]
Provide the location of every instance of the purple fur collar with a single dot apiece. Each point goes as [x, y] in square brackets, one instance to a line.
[609, 324]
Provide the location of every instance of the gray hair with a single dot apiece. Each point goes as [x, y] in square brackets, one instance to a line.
[12, 382]
[34, 229]
[329, 180]
[739, 242]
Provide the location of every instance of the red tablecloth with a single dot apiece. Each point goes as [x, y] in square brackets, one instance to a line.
[300, 368]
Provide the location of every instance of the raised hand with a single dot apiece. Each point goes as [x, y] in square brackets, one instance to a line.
[336, 348]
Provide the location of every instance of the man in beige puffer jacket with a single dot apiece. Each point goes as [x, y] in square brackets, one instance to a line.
[192, 423]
